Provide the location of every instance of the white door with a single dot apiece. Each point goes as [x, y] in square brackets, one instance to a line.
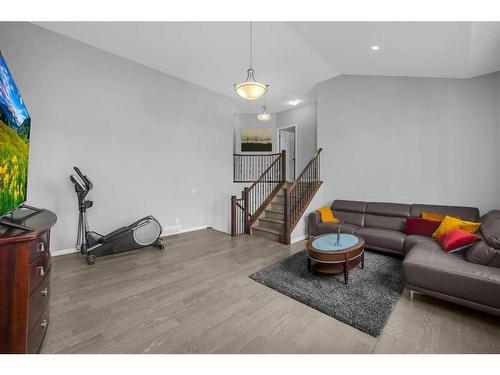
[287, 143]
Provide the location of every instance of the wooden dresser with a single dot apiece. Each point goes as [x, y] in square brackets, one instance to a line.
[25, 282]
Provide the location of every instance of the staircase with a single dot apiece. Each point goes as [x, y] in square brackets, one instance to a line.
[271, 207]
[271, 223]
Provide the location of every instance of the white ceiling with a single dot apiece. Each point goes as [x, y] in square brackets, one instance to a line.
[293, 57]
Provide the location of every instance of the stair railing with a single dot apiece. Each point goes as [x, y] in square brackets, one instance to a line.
[298, 195]
[249, 167]
[257, 196]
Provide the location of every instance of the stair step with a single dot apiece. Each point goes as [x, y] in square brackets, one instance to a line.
[278, 206]
[274, 214]
[269, 223]
[279, 199]
[276, 221]
[270, 234]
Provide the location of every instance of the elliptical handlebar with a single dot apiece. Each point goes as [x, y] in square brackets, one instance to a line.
[78, 185]
[88, 184]
[83, 185]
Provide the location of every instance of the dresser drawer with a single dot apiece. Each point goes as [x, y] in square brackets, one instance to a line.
[39, 247]
[36, 335]
[38, 301]
[39, 270]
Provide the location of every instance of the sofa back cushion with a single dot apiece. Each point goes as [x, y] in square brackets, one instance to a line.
[464, 213]
[483, 253]
[387, 215]
[352, 212]
[490, 228]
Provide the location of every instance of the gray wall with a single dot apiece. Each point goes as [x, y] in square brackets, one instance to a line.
[410, 139]
[250, 120]
[304, 117]
[497, 84]
[146, 139]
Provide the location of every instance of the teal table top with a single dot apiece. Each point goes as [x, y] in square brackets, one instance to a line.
[328, 242]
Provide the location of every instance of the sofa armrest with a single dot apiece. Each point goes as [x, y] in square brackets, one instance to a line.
[313, 220]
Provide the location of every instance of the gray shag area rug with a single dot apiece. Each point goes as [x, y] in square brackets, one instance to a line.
[364, 303]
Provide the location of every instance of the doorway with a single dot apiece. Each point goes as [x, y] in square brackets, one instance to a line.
[287, 140]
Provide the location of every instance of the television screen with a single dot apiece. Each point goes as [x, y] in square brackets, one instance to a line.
[14, 143]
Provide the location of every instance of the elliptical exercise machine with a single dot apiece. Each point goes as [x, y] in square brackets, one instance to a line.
[144, 232]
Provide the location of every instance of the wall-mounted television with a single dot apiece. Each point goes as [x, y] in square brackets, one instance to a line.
[14, 142]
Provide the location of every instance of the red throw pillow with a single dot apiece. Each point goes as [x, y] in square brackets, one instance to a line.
[423, 227]
[457, 239]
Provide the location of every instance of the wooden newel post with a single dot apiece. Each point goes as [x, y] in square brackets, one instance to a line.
[233, 215]
[286, 231]
[283, 165]
[246, 213]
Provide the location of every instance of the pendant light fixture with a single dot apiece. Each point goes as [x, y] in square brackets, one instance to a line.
[264, 116]
[250, 89]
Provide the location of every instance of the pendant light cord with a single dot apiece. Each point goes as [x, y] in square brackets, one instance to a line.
[251, 27]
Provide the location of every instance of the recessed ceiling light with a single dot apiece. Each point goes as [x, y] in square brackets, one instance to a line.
[294, 102]
[375, 48]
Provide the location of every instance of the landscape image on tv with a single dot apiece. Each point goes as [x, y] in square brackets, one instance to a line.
[14, 142]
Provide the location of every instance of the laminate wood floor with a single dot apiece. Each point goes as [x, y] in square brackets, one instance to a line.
[196, 297]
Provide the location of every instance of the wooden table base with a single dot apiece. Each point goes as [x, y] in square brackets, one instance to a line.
[333, 268]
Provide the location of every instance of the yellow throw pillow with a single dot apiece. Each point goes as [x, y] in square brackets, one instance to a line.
[432, 216]
[451, 222]
[327, 215]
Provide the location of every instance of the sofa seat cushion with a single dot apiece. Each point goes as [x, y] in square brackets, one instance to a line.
[324, 228]
[451, 274]
[382, 238]
[412, 239]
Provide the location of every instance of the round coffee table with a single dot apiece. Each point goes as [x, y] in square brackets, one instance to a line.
[325, 255]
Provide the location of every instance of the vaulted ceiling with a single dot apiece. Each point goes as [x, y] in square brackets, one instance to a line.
[293, 57]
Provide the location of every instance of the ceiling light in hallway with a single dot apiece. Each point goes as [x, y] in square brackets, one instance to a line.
[375, 48]
[250, 89]
[294, 102]
[264, 116]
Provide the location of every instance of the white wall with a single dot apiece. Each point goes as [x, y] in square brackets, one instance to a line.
[412, 140]
[304, 117]
[145, 138]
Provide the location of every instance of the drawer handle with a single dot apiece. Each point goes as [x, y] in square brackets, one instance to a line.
[41, 271]
[45, 292]
[41, 247]
[44, 324]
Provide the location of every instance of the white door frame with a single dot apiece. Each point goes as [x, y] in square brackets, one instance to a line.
[296, 141]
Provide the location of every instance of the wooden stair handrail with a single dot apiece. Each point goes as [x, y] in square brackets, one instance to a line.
[312, 193]
[250, 218]
[264, 204]
[290, 223]
[295, 183]
[282, 158]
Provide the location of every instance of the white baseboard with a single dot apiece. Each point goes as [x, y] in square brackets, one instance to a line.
[299, 238]
[169, 231]
[56, 253]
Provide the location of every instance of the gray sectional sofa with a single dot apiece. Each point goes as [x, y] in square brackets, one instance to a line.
[470, 278]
